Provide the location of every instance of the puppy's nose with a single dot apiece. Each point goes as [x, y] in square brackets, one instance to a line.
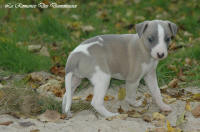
[160, 55]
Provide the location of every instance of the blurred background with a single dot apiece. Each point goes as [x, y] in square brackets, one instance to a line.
[39, 39]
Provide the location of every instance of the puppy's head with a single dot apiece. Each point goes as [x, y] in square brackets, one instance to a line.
[156, 36]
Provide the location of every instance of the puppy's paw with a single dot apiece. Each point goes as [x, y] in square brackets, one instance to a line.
[165, 108]
[112, 114]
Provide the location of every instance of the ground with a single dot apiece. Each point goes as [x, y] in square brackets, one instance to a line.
[86, 121]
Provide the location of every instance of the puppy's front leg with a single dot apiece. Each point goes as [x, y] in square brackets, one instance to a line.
[152, 83]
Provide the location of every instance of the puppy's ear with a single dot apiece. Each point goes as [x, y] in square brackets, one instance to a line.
[141, 27]
[173, 28]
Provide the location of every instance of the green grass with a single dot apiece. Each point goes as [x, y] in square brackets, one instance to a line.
[20, 60]
[178, 60]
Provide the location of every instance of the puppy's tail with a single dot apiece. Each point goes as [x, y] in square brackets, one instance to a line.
[67, 99]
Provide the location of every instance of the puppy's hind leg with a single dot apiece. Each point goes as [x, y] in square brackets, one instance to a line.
[101, 81]
[71, 83]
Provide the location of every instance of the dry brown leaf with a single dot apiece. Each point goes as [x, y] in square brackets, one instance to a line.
[159, 130]
[108, 98]
[120, 110]
[181, 119]
[147, 95]
[35, 130]
[196, 112]
[172, 129]
[147, 118]
[120, 116]
[87, 28]
[187, 106]
[63, 116]
[168, 99]
[159, 123]
[188, 61]
[89, 97]
[196, 97]
[76, 98]
[172, 46]
[172, 67]
[58, 70]
[121, 93]
[158, 116]
[173, 83]
[49, 116]
[7, 123]
[58, 92]
[134, 114]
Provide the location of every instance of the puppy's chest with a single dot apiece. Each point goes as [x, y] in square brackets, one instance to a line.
[147, 67]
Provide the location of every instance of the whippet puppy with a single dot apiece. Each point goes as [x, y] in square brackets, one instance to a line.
[128, 57]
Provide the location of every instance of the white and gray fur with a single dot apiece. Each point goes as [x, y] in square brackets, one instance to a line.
[128, 57]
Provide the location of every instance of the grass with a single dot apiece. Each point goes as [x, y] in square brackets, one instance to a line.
[20, 60]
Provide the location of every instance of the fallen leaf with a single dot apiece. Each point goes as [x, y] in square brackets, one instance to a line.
[163, 87]
[120, 116]
[158, 116]
[171, 129]
[173, 68]
[87, 28]
[103, 15]
[76, 98]
[34, 48]
[187, 106]
[108, 98]
[49, 116]
[159, 123]
[173, 83]
[120, 110]
[63, 116]
[35, 130]
[121, 93]
[159, 130]
[196, 111]
[89, 97]
[134, 114]
[147, 118]
[196, 97]
[188, 61]
[26, 124]
[181, 119]
[58, 70]
[44, 51]
[7, 123]
[172, 46]
[168, 99]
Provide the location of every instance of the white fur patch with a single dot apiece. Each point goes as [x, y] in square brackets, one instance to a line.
[161, 47]
[147, 67]
[101, 81]
[84, 47]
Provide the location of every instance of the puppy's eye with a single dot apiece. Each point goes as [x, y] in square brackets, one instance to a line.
[150, 39]
[167, 39]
